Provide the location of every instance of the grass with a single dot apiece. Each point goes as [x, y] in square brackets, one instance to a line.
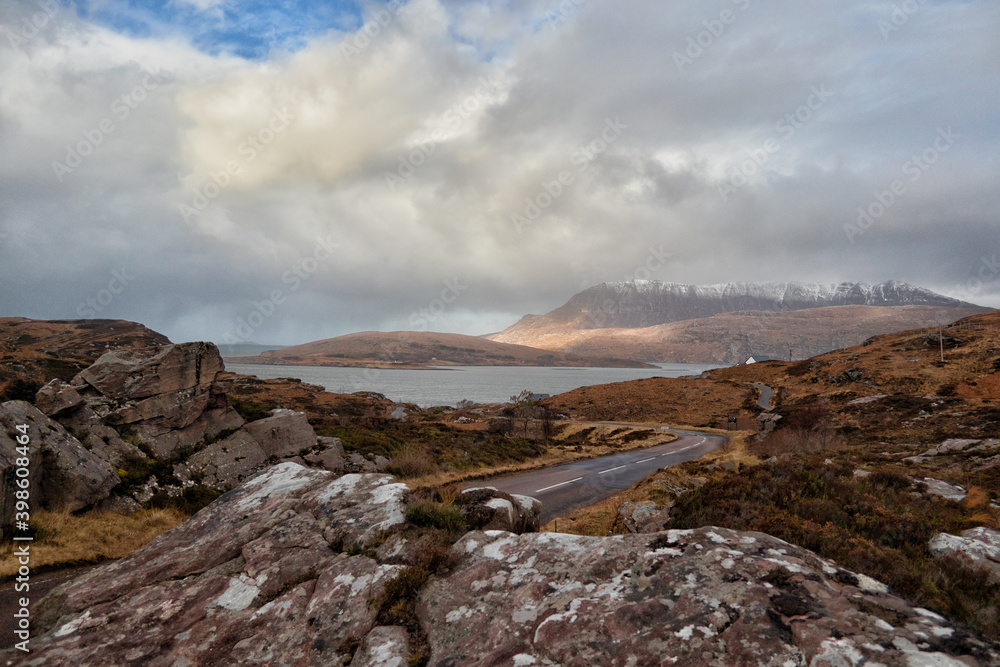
[876, 525]
[62, 539]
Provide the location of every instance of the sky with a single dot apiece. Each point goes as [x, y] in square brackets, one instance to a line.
[283, 172]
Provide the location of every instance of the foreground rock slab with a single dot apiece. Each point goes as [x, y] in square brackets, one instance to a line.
[703, 597]
[258, 577]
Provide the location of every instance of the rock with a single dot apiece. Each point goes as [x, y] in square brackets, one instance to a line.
[57, 397]
[486, 508]
[381, 463]
[644, 516]
[330, 456]
[62, 473]
[708, 596]
[285, 433]
[166, 396]
[224, 464]
[385, 646]
[936, 487]
[252, 578]
[867, 399]
[766, 423]
[355, 463]
[977, 548]
[946, 447]
[119, 505]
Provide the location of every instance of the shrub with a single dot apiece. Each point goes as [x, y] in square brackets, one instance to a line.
[414, 461]
[434, 515]
[20, 390]
[250, 410]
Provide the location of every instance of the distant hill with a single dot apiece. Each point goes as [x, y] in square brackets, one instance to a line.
[724, 324]
[39, 350]
[407, 349]
[228, 350]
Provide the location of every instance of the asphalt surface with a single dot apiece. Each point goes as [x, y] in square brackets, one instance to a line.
[766, 393]
[571, 486]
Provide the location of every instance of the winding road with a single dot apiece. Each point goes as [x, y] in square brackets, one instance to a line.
[571, 486]
[766, 394]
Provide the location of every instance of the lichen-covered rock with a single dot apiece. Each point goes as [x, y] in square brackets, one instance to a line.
[936, 487]
[166, 396]
[256, 577]
[62, 473]
[702, 597]
[644, 516]
[285, 433]
[486, 508]
[224, 464]
[977, 548]
[385, 646]
[330, 455]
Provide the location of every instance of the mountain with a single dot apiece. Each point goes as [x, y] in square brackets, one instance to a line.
[670, 322]
[421, 349]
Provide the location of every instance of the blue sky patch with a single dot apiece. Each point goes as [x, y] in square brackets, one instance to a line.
[250, 29]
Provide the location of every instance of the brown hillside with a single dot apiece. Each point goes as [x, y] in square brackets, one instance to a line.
[39, 350]
[418, 349]
[732, 337]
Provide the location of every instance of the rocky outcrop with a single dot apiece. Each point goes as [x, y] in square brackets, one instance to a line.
[62, 473]
[703, 597]
[224, 464]
[293, 567]
[977, 549]
[329, 455]
[264, 575]
[486, 508]
[165, 397]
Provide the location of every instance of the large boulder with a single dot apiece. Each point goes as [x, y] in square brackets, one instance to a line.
[701, 597]
[224, 464]
[644, 516]
[283, 434]
[259, 577]
[166, 397]
[329, 455]
[977, 549]
[62, 473]
[486, 508]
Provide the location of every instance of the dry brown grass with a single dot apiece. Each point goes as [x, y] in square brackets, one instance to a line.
[64, 539]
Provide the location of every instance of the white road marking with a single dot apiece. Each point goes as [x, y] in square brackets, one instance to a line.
[678, 451]
[644, 460]
[555, 486]
[611, 470]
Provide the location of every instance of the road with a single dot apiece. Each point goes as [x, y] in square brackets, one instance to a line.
[571, 486]
[766, 393]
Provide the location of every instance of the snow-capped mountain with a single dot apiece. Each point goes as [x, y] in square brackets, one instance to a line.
[657, 321]
[648, 303]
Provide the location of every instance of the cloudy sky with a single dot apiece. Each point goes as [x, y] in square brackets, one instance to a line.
[289, 171]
